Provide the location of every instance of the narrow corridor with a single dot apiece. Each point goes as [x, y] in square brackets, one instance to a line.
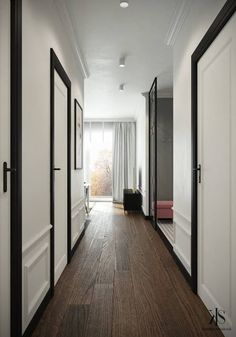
[122, 281]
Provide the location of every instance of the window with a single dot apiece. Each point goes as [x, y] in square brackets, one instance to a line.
[98, 158]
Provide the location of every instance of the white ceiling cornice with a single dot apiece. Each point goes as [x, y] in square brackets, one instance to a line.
[145, 94]
[177, 21]
[66, 19]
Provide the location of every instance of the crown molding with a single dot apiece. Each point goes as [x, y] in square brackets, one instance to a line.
[180, 14]
[145, 94]
[68, 25]
[160, 94]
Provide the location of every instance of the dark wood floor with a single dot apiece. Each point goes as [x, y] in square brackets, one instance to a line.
[123, 282]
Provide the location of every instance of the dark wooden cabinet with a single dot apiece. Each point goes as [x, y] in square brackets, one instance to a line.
[132, 200]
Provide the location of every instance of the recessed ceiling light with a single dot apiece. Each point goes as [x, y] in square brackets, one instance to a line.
[124, 4]
[122, 62]
[122, 87]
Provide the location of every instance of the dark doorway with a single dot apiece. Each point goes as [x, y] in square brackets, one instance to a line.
[153, 152]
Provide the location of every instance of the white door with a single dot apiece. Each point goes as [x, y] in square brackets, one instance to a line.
[4, 157]
[60, 148]
[217, 191]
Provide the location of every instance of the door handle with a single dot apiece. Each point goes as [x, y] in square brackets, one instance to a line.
[5, 171]
[199, 170]
[57, 169]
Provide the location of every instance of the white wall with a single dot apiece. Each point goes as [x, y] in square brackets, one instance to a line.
[42, 30]
[4, 156]
[201, 16]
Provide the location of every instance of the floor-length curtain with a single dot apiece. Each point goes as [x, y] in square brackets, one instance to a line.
[124, 158]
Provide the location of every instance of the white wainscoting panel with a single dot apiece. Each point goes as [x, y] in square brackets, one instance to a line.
[182, 246]
[38, 237]
[35, 274]
[78, 221]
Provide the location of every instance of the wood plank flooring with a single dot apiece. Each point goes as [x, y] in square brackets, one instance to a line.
[123, 282]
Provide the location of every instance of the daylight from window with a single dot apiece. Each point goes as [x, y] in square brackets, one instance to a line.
[98, 158]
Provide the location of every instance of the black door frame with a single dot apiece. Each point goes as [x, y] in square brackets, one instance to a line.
[154, 86]
[221, 20]
[57, 66]
[16, 163]
[16, 174]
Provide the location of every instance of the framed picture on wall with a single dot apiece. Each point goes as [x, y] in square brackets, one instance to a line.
[78, 135]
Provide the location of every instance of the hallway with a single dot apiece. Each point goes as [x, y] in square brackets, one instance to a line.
[122, 281]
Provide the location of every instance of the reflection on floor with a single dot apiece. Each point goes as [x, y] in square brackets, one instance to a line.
[168, 228]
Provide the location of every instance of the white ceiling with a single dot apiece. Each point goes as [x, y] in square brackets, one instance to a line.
[105, 33]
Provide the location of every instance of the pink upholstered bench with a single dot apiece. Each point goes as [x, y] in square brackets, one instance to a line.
[164, 209]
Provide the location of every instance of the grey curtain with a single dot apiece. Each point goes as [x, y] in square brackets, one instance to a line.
[124, 158]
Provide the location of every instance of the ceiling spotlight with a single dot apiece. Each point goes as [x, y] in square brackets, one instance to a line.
[122, 62]
[122, 87]
[124, 4]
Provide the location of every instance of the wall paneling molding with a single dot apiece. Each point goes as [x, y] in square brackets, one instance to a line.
[36, 278]
[35, 240]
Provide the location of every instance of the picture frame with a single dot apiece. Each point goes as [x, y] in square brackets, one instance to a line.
[78, 136]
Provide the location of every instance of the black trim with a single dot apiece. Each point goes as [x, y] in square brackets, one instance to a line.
[57, 66]
[221, 20]
[77, 242]
[28, 332]
[75, 135]
[146, 217]
[16, 163]
[175, 257]
[153, 219]
[87, 222]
